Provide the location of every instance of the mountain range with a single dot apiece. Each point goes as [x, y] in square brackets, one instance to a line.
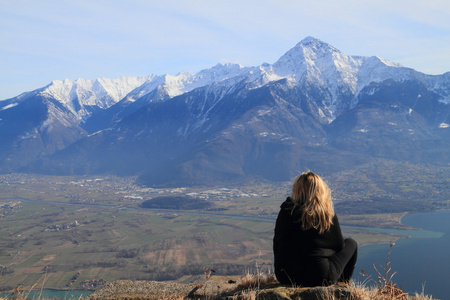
[315, 108]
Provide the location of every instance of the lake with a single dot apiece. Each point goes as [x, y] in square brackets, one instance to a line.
[422, 262]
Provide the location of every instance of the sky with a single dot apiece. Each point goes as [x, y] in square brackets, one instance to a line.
[46, 40]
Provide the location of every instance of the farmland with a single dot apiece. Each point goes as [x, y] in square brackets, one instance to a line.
[79, 232]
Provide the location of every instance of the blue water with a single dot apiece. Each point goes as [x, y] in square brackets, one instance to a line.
[422, 262]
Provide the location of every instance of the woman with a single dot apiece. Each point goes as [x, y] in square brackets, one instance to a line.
[308, 245]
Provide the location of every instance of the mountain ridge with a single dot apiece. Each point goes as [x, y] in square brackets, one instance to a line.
[230, 122]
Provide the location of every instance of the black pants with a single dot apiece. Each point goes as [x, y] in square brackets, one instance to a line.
[343, 263]
[323, 270]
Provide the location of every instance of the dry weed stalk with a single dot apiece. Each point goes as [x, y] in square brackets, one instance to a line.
[386, 288]
[422, 296]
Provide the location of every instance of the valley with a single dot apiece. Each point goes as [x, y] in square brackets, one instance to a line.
[79, 232]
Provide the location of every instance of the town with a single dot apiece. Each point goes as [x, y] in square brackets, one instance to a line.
[121, 191]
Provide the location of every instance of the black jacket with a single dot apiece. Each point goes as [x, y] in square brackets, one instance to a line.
[301, 257]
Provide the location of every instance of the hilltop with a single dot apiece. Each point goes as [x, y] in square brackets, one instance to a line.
[246, 288]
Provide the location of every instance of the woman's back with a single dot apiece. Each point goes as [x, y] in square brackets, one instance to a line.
[294, 247]
[309, 254]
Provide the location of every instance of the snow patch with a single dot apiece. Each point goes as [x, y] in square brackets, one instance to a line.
[371, 91]
[389, 63]
[263, 112]
[444, 125]
[265, 134]
[10, 105]
[445, 100]
[322, 114]
[27, 136]
[100, 131]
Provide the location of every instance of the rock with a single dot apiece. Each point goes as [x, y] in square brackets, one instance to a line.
[218, 287]
[305, 293]
[140, 290]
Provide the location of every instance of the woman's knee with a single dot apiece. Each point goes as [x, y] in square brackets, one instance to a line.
[351, 243]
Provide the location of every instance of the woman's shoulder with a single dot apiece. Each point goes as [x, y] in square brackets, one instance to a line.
[335, 221]
[290, 208]
[287, 204]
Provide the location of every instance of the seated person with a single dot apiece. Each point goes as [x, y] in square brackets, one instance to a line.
[308, 245]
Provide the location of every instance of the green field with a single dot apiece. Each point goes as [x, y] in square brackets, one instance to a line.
[115, 239]
[111, 244]
[114, 244]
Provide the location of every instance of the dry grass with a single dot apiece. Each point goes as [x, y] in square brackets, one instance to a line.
[386, 289]
[250, 281]
[363, 292]
[250, 290]
[357, 291]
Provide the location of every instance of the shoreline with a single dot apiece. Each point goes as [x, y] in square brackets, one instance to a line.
[407, 227]
[408, 256]
[401, 217]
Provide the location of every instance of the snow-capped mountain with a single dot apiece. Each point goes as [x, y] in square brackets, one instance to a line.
[339, 76]
[230, 121]
[161, 88]
[43, 121]
[82, 95]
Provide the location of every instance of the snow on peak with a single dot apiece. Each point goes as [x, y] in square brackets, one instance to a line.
[342, 75]
[174, 85]
[221, 72]
[310, 61]
[79, 95]
[389, 63]
[101, 92]
[314, 60]
[118, 88]
[314, 43]
[307, 58]
[309, 39]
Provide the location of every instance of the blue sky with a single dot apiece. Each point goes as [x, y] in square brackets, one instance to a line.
[45, 40]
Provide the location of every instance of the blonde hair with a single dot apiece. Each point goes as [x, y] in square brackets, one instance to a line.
[313, 195]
